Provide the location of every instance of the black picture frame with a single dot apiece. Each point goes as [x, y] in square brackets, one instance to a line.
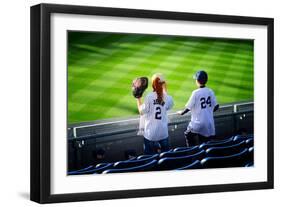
[40, 177]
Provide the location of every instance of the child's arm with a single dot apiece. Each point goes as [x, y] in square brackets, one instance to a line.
[183, 112]
[216, 107]
[139, 102]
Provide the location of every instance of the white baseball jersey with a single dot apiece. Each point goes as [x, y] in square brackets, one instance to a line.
[201, 104]
[155, 116]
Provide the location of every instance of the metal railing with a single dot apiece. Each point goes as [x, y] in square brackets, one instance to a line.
[109, 128]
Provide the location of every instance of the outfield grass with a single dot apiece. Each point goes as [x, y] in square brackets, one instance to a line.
[101, 68]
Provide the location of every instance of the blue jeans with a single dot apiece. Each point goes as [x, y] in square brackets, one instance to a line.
[152, 147]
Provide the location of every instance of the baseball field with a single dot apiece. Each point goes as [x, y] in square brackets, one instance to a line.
[101, 67]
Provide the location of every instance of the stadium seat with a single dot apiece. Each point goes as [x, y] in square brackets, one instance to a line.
[171, 163]
[181, 148]
[225, 151]
[147, 156]
[181, 153]
[236, 160]
[251, 155]
[219, 140]
[81, 170]
[195, 165]
[217, 144]
[250, 164]
[98, 169]
[250, 142]
[242, 137]
[144, 167]
[134, 163]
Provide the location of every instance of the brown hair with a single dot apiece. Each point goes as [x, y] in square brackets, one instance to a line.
[158, 88]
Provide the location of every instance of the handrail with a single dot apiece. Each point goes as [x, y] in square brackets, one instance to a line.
[124, 131]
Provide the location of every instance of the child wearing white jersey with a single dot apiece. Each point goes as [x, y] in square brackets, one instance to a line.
[202, 104]
[154, 112]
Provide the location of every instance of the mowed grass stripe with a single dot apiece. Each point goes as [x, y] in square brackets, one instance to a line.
[90, 63]
[216, 65]
[100, 65]
[128, 100]
[162, 63]
[170, 60]
[74, 53]
[200, 64]
[122, 67]
[129, 96]
[107, 90]
[227, 90]
[104, 78]
[182, 86]
[125, 69]
[158, 57]
[78, 55]
[147, 60]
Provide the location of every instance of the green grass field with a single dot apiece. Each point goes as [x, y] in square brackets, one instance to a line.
[101, 67]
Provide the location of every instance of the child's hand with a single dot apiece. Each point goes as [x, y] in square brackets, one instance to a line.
[179, 112]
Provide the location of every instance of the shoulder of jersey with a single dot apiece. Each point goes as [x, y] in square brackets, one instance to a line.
[210, 90]
[150, 94]
[196, 90]
[167, 96]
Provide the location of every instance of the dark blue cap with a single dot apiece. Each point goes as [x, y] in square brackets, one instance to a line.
[201, 76]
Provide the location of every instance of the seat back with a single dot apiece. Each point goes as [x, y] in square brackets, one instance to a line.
[145, 167]
[250, 142]
[217, 144]
[147, 156]
[133, 163]
[181, 153]
[225, 151]
[243, 137]
[236, 160]
[98, 169]
[250, 158]
[75, 172]
[219, 140]
[195, 165]
[181, 148]
[171, 163]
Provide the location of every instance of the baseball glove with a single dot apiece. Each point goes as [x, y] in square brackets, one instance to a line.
[138, 86]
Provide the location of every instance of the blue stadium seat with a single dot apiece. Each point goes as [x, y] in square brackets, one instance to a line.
[242, 137]
[181, 148]
[250, 164]
[145, 167]
[219, 140]
[81, 170]
[227, 142]
[250, 157]
[181, 153]
[236, 160]
[147, 156]
[171, 163]
[225, 151]
[250, 142]
[195, 165]
[134, 163]
[98, 169]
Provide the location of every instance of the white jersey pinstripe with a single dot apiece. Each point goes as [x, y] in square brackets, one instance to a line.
[155, 116]
[201, 104]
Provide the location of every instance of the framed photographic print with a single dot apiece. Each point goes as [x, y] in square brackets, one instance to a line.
[132, 103]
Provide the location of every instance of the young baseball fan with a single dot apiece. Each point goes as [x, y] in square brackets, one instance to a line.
[201, 104]
[154, 112]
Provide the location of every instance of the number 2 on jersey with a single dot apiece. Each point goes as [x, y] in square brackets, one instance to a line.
[158, 113]
[205, 102]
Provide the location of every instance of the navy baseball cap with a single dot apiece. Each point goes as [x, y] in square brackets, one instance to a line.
[201, 76]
